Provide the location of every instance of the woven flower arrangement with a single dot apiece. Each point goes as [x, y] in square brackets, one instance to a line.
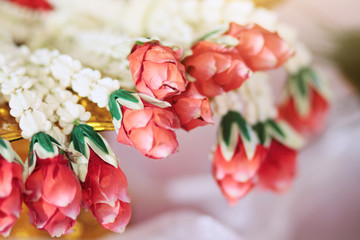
[153, 66]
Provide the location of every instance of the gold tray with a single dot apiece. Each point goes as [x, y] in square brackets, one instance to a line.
[100, 120]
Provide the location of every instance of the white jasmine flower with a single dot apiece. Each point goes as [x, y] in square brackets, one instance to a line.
[40, 90]
[254, 100]
[69, 114]
[83, 80]
[49, 111]
[37, 72]
[16, 80]
[43, 56]
[63, 68]
[101, 91]
[32, 122]
[47, 82]
[58, 95]
[23, 100]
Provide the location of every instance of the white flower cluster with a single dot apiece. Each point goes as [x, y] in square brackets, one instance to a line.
[35, 86]
[16, 86]
[254, 100]
[84, 81]
[109, 55]
[183, 22]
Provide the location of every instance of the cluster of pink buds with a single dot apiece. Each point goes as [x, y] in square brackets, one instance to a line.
[56, 188]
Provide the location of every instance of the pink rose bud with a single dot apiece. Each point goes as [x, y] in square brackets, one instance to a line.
[105, 194]
[215, 68]
[11, 186]
[279, 168]
[150, 130]
[53, 193]
[313, 120]
[192, 108]
[236, 176]
[40, 5]
[260, 48]
[156, 70]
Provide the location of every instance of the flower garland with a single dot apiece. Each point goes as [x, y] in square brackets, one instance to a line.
[181, 70]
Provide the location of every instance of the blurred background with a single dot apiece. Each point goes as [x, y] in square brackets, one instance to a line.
[176, 198]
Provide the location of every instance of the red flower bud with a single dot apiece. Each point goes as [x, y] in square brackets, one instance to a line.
[279, 168]
[236, 176]
[53, 195]
[216, 69]
[313, 120]
[261, 49]
[11, 186]
[105, 194]
[150, 130]
[156, 70]
[192, 108]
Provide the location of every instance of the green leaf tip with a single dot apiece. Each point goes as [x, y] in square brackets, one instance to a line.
[276, 127]
[113, 104]
[45, 142]
[259, 128]
[78, 138]
[2, 143]
[227, 122]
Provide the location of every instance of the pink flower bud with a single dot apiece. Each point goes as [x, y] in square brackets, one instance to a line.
[150, 130]
[236, 176]
[260, 48]
[279, 168]
[105, 194]
[313, 120]
[53, 195]
[156, 70]
[11, 186]
[216, 69]
[192, 108]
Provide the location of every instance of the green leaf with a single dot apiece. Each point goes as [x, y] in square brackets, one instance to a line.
[140, 43]
[30, 154]
[276, 127]
[261, 132]
[302, 86]
[45, 142]
[126, 95]
[206, 36]
[78, 140]
[243, 126]
[2, 143]
[114, 108]
[226, 125]
[311, 76]
[94, 136]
